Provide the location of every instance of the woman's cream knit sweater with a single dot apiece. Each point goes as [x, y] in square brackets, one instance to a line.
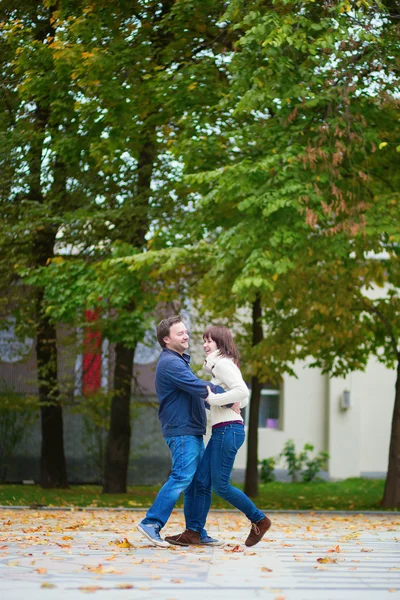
[226, 374]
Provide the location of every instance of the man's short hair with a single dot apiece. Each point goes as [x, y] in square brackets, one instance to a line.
[164, 327]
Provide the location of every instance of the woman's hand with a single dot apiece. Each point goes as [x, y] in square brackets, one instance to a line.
[236, 407]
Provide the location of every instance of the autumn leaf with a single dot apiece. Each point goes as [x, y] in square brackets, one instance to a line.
[47, 585]
[124, 544]
[236, 548]
[327, 559]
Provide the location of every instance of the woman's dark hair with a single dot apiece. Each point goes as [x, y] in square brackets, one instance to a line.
[164, 327]
[223, 338]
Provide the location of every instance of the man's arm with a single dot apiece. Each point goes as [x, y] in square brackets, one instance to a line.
[184, 379]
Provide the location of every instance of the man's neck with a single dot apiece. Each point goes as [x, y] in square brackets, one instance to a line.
[177, 351]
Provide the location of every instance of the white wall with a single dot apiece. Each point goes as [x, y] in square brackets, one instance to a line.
[357, 439]
[303, 419]
[344, 431]
[375, 390]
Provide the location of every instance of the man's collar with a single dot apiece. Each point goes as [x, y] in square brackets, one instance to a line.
[185, 357]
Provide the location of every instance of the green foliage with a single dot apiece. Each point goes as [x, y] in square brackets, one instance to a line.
[267, 469]
[17, 415]
[314, 465]
[296, 462]
[95, 411]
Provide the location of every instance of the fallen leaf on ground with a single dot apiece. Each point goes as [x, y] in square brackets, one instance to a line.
[234, 549]
[327, 559]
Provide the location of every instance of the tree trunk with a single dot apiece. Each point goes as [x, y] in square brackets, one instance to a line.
[391, 496]
[251, 482]
[132, 229]
[53, 471]
[119, 435]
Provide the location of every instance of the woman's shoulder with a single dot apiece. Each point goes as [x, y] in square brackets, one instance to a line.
[226, 362]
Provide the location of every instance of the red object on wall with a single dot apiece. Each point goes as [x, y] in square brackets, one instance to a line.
[91, 364]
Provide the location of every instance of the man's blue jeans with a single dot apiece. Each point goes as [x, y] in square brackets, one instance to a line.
[215, 469]
[187, 452]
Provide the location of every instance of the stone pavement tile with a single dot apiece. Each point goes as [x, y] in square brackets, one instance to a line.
[304, 557]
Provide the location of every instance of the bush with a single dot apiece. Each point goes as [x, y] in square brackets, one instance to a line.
[313, 466]
[17, 414]
[296, 462]
[267, 469]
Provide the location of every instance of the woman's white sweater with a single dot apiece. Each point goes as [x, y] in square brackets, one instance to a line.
[226, 374]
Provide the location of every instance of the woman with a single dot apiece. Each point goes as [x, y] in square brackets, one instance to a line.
[222, 362]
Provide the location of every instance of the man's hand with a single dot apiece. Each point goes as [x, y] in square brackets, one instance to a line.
[236, 407]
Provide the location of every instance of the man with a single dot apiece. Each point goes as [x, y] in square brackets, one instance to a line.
[183, 423]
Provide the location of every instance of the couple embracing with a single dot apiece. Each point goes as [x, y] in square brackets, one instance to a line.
[197, 470]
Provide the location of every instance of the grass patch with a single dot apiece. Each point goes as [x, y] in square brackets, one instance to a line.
[351, 494]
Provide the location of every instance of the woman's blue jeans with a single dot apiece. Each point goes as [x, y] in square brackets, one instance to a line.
[187, 452]
[215, 470]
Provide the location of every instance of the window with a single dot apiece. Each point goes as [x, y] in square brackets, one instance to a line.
[269, 415]
[269, 412]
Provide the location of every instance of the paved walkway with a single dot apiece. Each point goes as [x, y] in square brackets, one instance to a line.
[61, 555]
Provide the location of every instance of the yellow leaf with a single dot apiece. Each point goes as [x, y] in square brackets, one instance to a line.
[48, 586]
[382, 145]
[192, 85]
[327, 559]
[124, 544]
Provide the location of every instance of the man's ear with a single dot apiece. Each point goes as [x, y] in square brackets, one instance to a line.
[166, 339]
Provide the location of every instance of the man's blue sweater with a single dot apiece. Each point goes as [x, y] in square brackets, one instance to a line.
[181, 395]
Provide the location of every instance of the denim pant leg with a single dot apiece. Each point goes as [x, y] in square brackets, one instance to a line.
[201, 490]
[185, 451]
[226, 443]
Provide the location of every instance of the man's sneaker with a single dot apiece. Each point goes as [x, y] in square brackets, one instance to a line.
[187, 538]
[209, 541]
[257, 531]
[152, 532]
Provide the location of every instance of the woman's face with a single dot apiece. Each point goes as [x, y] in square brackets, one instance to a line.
[209, 346]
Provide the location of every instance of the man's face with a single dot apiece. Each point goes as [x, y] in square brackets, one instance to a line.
[178, 338]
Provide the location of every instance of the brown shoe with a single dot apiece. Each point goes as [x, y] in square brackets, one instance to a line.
[257, 531]
[187, 538]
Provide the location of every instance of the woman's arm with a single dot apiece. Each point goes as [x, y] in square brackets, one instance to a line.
[227, 372]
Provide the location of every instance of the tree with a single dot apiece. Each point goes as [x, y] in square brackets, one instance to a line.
[134, 76]
[308, 174]
[34, 191]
